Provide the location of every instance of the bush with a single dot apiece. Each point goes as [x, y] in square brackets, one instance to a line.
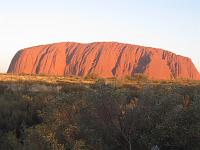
[73, 88]
[2, 89]
[102, 116]
[91, 76]
[137, 77]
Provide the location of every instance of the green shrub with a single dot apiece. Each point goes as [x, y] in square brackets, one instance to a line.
[103, 115]
[2, 88]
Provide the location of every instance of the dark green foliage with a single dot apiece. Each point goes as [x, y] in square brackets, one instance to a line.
[101, 116]
[2, 89]
[73, 88]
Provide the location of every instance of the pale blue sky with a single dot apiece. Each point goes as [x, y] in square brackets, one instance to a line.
[169, 24]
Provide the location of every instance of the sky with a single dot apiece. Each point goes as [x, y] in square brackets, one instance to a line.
[172, 25]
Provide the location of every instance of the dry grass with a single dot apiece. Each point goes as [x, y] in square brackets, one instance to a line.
[59, 80]
[43, 79]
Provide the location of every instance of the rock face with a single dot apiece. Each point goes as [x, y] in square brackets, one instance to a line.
[105, 59]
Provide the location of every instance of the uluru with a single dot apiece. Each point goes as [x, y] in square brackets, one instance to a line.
[105, 59]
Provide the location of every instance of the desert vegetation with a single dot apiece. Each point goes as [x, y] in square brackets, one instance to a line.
[98, 114]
